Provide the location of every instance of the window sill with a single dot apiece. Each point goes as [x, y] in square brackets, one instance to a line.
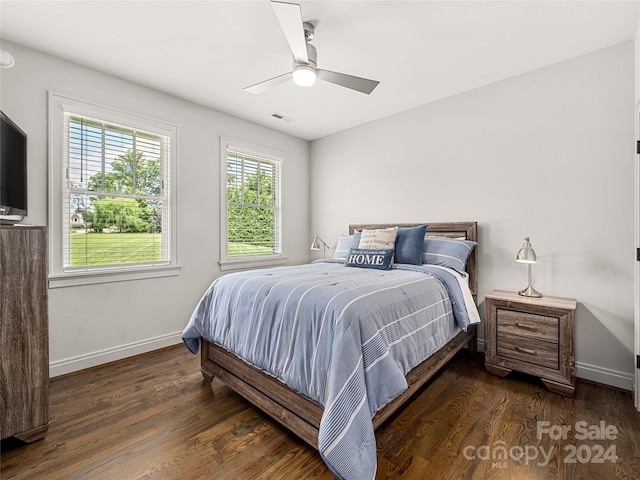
[246, 263]
[73, 279]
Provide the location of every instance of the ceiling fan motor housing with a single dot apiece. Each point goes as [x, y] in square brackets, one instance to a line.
[313, 58]
[304, 74]
[309, 31]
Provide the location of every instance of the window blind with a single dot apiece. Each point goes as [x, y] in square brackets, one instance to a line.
[253, 195]
[116, 210]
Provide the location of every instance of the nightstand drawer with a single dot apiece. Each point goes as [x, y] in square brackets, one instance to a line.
[527, 325]
[530, 350]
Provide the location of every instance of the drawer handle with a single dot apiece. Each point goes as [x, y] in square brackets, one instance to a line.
[526, 350]
[527, 326]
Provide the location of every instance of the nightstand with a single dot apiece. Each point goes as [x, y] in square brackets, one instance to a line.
[531, 335]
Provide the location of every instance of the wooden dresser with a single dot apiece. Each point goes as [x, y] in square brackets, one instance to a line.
[531, 335]
[24, 333]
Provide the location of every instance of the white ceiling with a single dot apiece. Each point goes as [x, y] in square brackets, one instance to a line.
[420, 51]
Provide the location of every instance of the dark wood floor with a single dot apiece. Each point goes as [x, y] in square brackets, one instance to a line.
[153, 417]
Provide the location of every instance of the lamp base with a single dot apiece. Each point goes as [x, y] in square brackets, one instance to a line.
[530, 292]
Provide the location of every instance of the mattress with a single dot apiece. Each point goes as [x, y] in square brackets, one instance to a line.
[342, 337]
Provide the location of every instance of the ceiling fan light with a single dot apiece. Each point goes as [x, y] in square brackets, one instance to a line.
[304, 76]
[6, 59]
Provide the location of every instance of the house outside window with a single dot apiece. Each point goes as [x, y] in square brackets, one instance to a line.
[251, 205]
[113, 208]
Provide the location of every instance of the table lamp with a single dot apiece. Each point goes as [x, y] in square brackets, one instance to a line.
[315, 245]
[527, 255]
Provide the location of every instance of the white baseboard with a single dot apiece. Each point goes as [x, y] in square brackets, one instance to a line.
[593, 373]
[605, 376]
[92, 359]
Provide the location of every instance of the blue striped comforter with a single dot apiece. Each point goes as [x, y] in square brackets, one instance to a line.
[343, 337]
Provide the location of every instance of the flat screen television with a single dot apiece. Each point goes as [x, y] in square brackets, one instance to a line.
[13, 172]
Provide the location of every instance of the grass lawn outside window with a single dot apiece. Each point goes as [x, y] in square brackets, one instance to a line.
[129, 248]
[115, 248]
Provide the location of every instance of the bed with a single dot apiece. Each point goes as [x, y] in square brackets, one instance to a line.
[336, 410]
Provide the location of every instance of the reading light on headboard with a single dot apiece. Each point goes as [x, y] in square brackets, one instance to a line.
[528, 255]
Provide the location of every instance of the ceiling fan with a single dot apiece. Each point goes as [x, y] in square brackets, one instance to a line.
[305, 71]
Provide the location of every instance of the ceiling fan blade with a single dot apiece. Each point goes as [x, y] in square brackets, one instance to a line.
[272, 82]
[290, 17]
[359, 84]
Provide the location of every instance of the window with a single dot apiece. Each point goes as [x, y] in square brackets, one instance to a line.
[251, 207]
[113, 207]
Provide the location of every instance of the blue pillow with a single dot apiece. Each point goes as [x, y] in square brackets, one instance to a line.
[448, 252]
[356, 240]
[343, 246]
[365, 258]
[409, 242]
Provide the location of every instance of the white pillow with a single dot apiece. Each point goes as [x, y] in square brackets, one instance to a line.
[343, 245]
[378, 238]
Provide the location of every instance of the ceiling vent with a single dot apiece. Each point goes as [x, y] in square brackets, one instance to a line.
[282, 117]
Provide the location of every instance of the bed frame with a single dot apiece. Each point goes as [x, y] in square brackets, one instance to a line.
[302, 416]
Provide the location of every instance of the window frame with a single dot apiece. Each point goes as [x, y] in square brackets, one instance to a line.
[58, 276]
[249, 261]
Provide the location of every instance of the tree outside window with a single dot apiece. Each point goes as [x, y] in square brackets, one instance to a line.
[115, 180]
[253, 205]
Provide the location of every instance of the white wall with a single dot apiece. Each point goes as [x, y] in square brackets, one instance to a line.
[637, 279]
[637, 62]
[548, 154]
[93, 324]
[557, 141]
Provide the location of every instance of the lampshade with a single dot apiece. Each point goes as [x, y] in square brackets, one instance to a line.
[317, 242]
[304, 75]
[526, 254]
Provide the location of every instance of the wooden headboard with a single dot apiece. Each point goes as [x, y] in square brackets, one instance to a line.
[466, 230]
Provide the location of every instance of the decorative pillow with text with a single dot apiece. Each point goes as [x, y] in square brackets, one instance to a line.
[370, 258]
[378, 238]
